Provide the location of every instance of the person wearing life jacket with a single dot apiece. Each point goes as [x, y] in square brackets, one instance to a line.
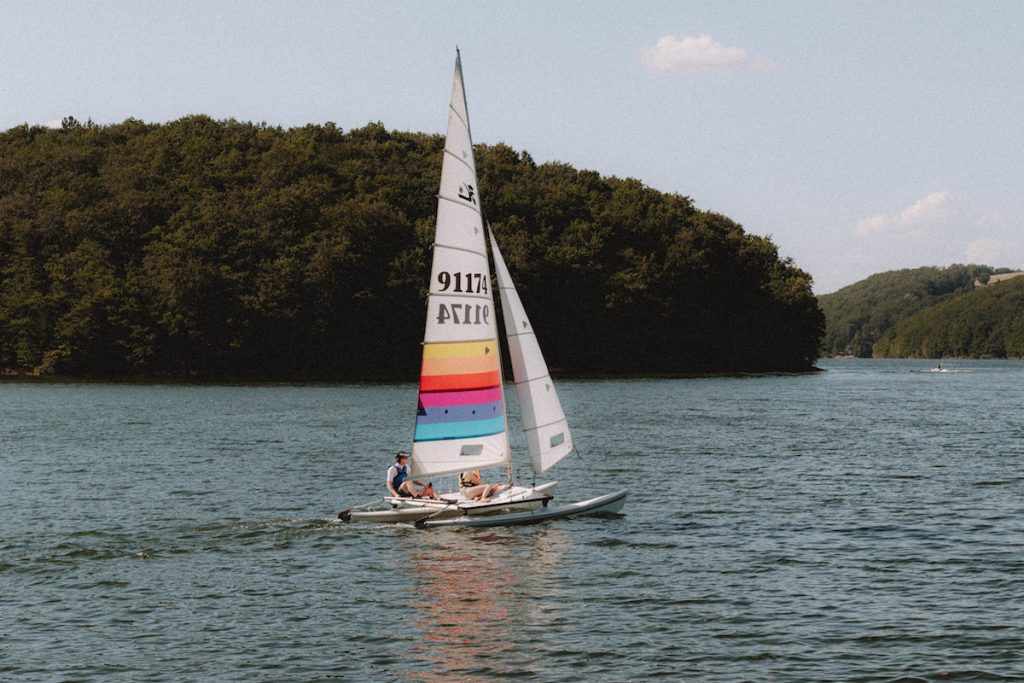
[471, 486]
[401, 486]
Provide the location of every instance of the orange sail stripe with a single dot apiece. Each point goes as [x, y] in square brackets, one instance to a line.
[459, 366]
[474, 380]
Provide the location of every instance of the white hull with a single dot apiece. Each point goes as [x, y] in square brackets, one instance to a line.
[452, 505]
[608, 503]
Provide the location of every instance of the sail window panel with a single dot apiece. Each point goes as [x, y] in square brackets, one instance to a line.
[457, 271]
[543, 454]
[458, 225]
[434, 458]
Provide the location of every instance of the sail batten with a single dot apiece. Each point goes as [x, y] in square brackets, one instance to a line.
[455, 248]
[461, 161]
[460, 416]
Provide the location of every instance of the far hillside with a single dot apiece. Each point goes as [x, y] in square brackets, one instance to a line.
[860, 314]
[987, 322]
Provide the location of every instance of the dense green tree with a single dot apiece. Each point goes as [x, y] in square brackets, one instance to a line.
[858, 315]
[218, 248]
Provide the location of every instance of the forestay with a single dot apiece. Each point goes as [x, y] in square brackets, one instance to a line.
[460, 420]
[547, 431]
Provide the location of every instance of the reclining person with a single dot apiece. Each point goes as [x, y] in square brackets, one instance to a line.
[472, 487]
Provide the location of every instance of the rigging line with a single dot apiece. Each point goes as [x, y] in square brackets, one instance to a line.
[549, 424]
[460, 202]
[462, 161]
[435, 245]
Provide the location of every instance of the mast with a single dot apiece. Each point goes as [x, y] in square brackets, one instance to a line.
[504, 407]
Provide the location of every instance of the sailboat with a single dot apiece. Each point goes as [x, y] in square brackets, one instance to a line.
[461, 422]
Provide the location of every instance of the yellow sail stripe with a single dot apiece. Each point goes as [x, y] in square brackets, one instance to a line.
[460, 349]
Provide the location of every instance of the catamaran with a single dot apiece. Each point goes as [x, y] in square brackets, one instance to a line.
[461, 422]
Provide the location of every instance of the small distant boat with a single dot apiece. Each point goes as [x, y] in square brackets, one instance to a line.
[460, 418]
[939, 368]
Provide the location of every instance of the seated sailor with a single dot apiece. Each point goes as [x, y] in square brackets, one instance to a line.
[471, 486]
[401, 486]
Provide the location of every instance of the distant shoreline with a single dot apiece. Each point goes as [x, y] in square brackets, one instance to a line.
[27, 378]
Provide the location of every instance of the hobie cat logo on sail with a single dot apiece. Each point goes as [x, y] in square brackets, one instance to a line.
[466, 192]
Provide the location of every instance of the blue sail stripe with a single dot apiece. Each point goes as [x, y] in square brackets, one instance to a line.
[466, 413]
[459, 430]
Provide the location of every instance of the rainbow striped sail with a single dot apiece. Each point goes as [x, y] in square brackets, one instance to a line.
[460, 418]
[460, 391]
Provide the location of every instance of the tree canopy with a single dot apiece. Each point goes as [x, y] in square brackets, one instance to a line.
[203, 248]
[987, 322]
[858, 315]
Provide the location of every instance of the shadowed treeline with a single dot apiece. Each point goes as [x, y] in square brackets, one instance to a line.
[204, 248]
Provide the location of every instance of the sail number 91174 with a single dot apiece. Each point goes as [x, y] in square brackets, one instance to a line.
[472, 283]
[463, 314]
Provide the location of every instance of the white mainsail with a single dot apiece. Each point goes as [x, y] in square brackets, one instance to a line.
[460, 420]
[547, 431]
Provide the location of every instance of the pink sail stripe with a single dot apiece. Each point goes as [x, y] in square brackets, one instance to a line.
[434, 399]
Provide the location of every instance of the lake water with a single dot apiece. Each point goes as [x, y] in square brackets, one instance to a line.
[865, 523]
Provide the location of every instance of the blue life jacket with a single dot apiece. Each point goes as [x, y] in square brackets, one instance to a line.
[403, 474]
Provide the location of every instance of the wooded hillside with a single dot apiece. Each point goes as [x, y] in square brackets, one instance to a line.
[987, 322]
[923, 312]
[204, 248]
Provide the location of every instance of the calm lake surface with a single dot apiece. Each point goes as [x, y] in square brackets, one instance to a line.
[865, 523]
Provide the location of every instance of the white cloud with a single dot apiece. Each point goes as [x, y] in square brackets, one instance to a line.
[699, 56]
[934, 211]
[997, 253]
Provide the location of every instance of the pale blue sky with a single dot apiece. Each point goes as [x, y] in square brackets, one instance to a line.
[862, 136]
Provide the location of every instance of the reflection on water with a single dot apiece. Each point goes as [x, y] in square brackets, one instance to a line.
[476, 595]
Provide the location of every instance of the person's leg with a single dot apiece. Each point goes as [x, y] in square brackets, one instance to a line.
[410, 488]
[474, 492]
